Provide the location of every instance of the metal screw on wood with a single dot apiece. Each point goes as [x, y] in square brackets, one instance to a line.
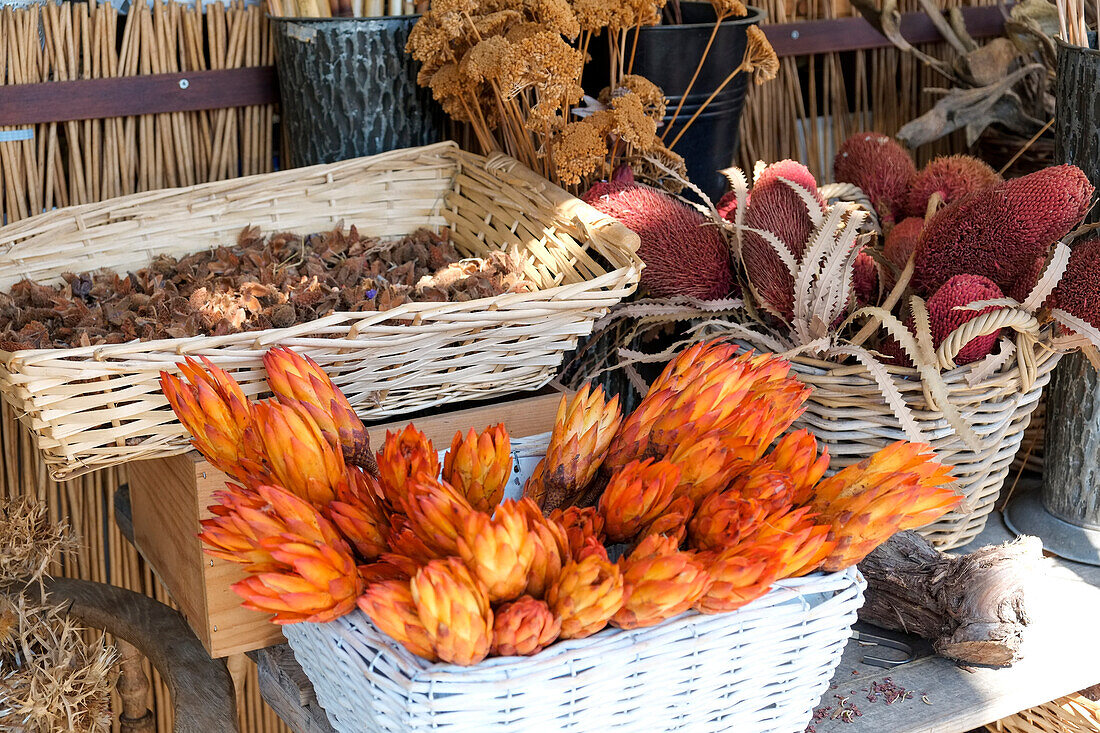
[184, 83]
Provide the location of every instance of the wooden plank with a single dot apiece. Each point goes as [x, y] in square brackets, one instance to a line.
[285, 687]
[851, 34]
[1060, 649]
[85, 99]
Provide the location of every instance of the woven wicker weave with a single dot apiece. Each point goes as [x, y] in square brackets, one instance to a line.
[762, 668]
[98, 406]
[1070, 714]
[848, 414]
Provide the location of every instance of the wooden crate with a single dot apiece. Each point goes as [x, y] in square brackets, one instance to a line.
[169, 496]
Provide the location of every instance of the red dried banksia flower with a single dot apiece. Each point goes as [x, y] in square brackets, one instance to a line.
[963, 290]
[1078, 292]
[683, 253]
[1002, 231]
[901, 242]
[950, 176]
[881, 167]
[865, 279]
[775, 206]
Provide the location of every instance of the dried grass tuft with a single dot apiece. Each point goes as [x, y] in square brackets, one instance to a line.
[29, 541]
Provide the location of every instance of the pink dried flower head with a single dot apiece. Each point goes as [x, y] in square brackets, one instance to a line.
[1078, 292]
[865, 279]
[684, 254]
[901, 242]
[881, 167]
[952, 177]
[1001, 232]
[775, 206]
[727, 206]
[963, 290]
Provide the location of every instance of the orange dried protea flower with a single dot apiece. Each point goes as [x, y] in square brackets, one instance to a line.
[363, 523]
[580, 523]
[582, 432]
[404, 456]
[436, 513]
[706, 389]
[723, 519]
[585, 597]
[498, 550]
[795, 454]
[710, 463]
[523, 627]
[899, 487]
[773, 490]
[737, 579]
[301, 459]
[390, 606]
[799, 543]
[377, 572]
[297, 379]
[404, 542]
[454, 608]
[551, 550]
[590, 546]
[214, 409]
[673, 521]
[635, 496]
[660, 582]
[479, 466]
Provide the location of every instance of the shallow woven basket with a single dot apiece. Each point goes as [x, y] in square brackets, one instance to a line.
[760, 669]
[1070, 714]
[101, 405]
[848, 413]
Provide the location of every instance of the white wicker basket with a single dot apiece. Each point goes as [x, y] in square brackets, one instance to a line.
[760, 669]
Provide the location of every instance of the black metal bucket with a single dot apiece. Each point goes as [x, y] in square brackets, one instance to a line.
[349, 89]
[667, 55]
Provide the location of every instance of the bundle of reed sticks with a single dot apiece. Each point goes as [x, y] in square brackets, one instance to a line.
[1073, 25]
[61, 163]
[345, 8]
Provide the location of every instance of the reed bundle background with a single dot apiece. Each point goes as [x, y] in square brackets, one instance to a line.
[76, 162]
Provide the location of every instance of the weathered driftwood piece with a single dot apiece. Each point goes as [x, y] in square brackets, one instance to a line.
[971, 607]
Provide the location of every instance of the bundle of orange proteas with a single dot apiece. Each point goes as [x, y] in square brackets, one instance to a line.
[699, 492]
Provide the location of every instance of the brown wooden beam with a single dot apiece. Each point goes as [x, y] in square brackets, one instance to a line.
[85, 99]
[810, 37]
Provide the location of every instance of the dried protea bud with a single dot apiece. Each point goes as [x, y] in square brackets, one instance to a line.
[363, 523]
[404, 456]
[498, 551]
[1000, 232]
[795, 454]
[454, 608]
[583, 429]
[590, 546]
[779, 204]
[737, 579]
[797, 542]
[899, 487]
[390, 606]
[547, 558]
[301, 458]
[524, 627]
[879, 166]
[436, 513]
[1078, 292]
[946, 317]
[901, 241]
[723, 519]
[949, 178]
[866, 279]
[479, 466]
[579, 524]
[683, 254]
[709, 463]
[586, 596]
[659, 582]
[296, 378]
[214, 409]
[637, 495]
[763, 483]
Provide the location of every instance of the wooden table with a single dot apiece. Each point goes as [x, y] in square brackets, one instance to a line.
[1061, 648]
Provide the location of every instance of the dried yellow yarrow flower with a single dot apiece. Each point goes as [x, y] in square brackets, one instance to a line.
[430, 42]
[497, 22]
[594, 15]
[760, 57]
[730, 7]
[555, 15]
[646, 12]
[579, 151]
[492, 6]
[449, 87]
[522, 31]
[552, 66]
[632, 124]
[653, 99]
[492, 59]
[469, 7]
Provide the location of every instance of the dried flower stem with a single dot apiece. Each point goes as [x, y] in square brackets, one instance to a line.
[715, 93]
[698, 70]
[634, 48]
